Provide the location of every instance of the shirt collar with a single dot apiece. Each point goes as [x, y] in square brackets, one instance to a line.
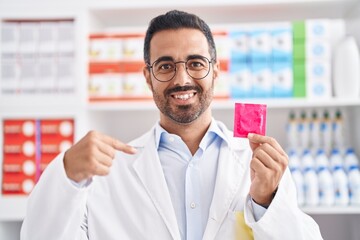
[213, 131]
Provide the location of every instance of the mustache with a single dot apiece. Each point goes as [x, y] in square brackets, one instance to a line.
[182, 89]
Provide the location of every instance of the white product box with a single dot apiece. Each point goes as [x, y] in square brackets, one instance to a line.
[65, 73]
[318, 28]
[105, 85]
[66, 36]
[46, 80]
[282, 79]
[222, 86]
[240, 81]
[48, 37]
[28, 74]
[28, 37]
[261, 80]
[281, 42]
[134, 85]
[239, 46]
[318, 77]
[105, 49]
[223, 46]
[9, 37]
[260, 45]
[10, 72]
[318, 49]
[133, 48]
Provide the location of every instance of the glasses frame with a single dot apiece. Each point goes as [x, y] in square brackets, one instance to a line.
[151, 66]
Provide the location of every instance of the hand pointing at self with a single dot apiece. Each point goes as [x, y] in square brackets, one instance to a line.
[268, 164]
[93, 155]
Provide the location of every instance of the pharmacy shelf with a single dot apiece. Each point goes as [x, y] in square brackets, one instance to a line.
[12, 208]
[283, 103]
[239, 10]
[348, 210]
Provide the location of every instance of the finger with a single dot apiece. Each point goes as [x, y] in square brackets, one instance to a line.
[118, 145]
[265, 159]
[101, 170]
[260, 139]
[105, 160]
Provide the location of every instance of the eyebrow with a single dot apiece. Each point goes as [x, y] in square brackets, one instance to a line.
[169, 58]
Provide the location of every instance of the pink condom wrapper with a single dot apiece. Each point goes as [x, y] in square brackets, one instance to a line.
[249, 118]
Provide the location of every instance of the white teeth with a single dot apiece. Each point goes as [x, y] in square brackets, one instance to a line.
[184, 97]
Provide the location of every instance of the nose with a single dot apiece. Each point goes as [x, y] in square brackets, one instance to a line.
[181, 76]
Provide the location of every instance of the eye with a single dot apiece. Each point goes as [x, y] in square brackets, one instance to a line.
[164, 66]
[197, 63]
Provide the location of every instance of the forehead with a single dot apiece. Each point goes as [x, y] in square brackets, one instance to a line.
[178, 44]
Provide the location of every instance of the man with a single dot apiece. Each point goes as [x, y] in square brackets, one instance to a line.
[187, 178]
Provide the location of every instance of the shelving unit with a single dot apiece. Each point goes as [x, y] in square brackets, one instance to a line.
[118, 118]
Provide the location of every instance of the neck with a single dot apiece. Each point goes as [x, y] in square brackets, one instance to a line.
[191, 133]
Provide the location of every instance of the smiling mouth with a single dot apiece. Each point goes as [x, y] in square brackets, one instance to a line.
[184, 96]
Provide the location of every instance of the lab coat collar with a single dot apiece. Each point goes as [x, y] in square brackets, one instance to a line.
[150, 173]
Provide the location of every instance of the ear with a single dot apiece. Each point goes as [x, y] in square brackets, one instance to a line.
[147, 75]
[216, 71]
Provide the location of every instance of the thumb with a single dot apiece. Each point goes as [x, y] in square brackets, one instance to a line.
[253, 144]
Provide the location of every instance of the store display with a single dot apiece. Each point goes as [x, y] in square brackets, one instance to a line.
[29, 146]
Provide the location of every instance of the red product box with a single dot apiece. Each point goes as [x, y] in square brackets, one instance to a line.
[57, 135]
[17, 184]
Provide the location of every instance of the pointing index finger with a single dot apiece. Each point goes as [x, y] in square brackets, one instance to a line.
[118, 145]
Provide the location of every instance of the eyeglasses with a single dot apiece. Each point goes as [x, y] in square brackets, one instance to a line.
[164, 69]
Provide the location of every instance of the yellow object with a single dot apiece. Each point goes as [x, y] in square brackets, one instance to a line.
[243, 231]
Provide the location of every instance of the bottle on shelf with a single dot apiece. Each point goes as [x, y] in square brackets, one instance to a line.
[354, 185]
[315, 130]
[350, 159]
[291, 131]
[338, 131]
[311, 182]
[304, 131]
[326, 184]
[340, 178]
[295, 169]
[326, 136]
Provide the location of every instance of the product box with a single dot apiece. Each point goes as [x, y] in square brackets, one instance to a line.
[66, 36]
[240, 81]
[29, 146]
[106, 85]
[10, 37]
[19, 156]
[65, 73]
[46, 73]
[28, 73]
[57, 135]
[262, 85]
[48, 37]
[28, 37]
[318, 29]
[282, 79]
[260, 46]
[240, 47]
[132, 48]
[281, 42]
[318, 77]
[10, 71]
[318, 50]
[223, 45]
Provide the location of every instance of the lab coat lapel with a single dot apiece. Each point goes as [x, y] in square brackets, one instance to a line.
[147, 167]
[230, 171]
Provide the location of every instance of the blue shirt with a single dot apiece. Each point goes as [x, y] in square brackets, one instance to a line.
[191, 178]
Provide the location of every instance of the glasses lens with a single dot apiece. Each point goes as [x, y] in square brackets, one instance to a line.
[164, 70]
[196, 67]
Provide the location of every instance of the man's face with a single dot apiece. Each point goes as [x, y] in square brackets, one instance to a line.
[183, 99]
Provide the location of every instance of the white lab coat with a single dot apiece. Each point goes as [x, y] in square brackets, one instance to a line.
[133, 201]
